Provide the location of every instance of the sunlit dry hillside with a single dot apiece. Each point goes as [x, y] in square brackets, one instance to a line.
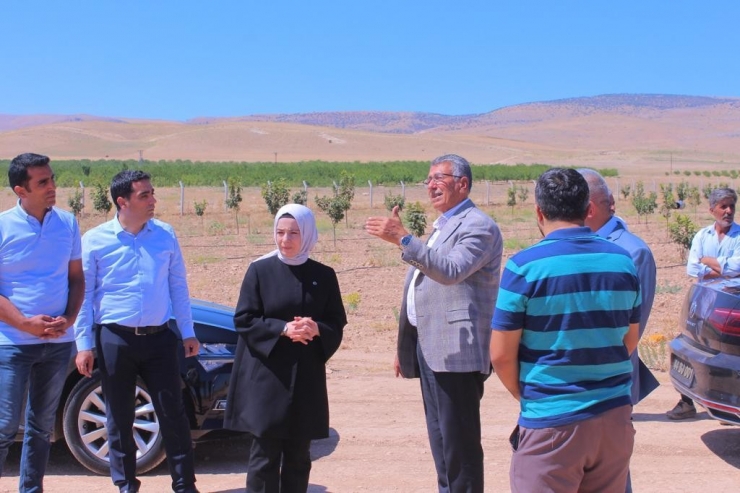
[635, 133]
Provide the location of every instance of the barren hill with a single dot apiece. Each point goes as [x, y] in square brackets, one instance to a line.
[632, 131]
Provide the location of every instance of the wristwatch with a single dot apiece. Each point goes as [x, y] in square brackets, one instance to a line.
[406, 240]
[285, 330]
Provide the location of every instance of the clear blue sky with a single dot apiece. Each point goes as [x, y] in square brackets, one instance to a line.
[182, 59]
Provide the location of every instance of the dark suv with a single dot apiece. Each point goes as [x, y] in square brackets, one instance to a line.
[705, 357]
[205, 383]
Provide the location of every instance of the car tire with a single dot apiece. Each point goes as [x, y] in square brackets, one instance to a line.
[83, 423]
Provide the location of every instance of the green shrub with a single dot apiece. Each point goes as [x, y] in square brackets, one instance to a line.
[681, 232]
[101, 202]
[75, 202]
[416, 219]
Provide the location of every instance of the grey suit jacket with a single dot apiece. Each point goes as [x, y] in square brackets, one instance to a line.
[455, 295]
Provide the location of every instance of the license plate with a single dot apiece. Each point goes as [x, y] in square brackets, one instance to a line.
[682, 370]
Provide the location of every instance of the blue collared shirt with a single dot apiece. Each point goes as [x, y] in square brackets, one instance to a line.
[133, 280]
[706, 244]
[34, 267]
[615, 230]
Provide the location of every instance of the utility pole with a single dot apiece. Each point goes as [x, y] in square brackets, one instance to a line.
[275, 157]
[141, 156]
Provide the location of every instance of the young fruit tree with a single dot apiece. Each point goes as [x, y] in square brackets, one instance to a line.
[334, 207]
[416, 219]
[234, 199]
[101, 202]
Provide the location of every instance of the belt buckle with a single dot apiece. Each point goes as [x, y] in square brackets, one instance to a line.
[136, 331]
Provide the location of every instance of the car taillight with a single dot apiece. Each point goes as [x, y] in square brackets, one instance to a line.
[726, 321]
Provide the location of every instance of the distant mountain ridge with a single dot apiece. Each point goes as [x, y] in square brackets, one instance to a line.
[415, 122]
[12, 122]
[655, 101]
[372, 121]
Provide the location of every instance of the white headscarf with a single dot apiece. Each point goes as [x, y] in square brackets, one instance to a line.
[306, 225]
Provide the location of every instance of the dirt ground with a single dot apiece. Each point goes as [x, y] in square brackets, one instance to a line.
[378, 440]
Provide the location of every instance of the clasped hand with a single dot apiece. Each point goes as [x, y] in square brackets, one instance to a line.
[47, 327]
[302, 329]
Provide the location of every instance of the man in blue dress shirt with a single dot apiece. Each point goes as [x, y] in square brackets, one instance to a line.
[41, 290]
[136, 279]
[602, 221]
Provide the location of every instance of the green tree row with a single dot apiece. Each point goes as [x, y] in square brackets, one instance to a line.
[315, 173]
[732, 173]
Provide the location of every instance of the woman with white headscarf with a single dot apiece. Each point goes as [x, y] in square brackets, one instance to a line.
[289, 318]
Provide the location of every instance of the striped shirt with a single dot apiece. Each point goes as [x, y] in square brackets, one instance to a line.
[574, 294]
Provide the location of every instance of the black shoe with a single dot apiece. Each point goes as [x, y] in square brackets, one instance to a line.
[682, 410]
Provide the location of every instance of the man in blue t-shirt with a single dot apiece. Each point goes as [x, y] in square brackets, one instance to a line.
[566, 321]
[41, 290]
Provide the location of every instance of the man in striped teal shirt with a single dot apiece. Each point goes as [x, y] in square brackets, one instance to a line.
[565, 324]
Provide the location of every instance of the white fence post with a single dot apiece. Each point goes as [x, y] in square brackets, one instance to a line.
[182, 199]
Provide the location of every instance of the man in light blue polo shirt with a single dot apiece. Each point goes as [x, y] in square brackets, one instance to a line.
[41, 290]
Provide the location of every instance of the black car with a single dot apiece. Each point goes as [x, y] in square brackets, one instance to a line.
[705, 357]
[205, 382]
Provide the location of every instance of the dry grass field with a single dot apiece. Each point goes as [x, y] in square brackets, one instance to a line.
[370, 271]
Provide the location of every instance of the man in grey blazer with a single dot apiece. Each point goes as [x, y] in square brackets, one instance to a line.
[444, 331]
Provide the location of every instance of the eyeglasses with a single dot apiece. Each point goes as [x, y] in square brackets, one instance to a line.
[438, 178]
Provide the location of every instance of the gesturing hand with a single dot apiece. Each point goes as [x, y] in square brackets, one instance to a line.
[388, 229]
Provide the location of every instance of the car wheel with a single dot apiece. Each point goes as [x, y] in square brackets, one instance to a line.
[84, 421]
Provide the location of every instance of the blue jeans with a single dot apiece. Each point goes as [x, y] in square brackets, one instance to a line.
[36, 371]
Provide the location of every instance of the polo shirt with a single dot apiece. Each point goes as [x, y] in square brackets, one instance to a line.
[34, 267]
[574, 295]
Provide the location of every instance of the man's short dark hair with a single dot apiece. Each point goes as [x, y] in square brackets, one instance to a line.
[122, 184]
[562, 195]
[18, 170]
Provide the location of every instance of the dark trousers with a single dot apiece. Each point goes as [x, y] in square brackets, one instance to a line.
[278, 466]
[452, 409]
[122, 357]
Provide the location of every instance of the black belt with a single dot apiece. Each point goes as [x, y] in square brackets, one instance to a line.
[139, 331]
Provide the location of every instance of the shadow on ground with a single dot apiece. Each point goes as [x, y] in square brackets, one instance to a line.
[211, 457]
[725, 444]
